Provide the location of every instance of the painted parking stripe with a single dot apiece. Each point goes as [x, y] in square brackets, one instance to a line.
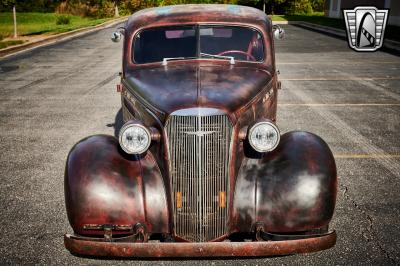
[347, 131]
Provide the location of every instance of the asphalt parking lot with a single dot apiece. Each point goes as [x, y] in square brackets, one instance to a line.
[53, 96]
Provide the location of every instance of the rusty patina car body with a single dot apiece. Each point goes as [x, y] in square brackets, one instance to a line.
[200, 189]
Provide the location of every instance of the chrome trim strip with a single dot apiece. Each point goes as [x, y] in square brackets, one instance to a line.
[198, 111]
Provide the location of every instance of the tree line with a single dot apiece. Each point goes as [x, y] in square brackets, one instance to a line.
[105, 8]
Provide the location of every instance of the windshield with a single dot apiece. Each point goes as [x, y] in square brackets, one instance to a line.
[220, 42]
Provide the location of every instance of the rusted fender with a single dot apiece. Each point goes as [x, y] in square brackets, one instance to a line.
[291, 189]
[105, 186]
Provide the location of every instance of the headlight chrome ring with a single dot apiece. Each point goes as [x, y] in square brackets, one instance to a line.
[134, 138]
[264, 136]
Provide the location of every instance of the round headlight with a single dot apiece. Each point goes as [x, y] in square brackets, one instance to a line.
[264, 136]
[134, 138]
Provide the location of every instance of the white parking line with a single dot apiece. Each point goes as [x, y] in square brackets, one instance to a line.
[347, 131]
[367, 82]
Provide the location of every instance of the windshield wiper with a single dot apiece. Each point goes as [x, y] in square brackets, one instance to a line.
[165, 60]
[231, 58]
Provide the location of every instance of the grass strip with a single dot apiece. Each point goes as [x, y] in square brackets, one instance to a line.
[42, 23]
[5, 44]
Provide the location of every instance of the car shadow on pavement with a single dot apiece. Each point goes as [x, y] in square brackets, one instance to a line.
[118, 122]
[176, 259]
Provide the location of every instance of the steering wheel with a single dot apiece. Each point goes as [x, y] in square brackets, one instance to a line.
[248, 55]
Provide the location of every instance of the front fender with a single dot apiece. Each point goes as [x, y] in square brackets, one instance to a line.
[290, 189]
[105, 186]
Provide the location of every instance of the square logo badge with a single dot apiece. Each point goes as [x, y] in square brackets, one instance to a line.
[365, 27]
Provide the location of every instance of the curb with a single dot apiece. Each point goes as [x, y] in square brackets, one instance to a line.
[13, 50]
[388, 44]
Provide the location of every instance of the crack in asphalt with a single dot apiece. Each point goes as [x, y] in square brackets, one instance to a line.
[56, 75]
[35, 82]
[102, 83]
[64, 75]
[370, 229]
[107, 80]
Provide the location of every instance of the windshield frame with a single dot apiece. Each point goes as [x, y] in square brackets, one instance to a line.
[197, 26]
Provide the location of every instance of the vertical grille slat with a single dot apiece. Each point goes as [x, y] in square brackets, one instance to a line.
[199, 158]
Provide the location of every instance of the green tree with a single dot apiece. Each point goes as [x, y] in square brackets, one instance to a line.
[29, 6]
[290, 6]
[317, 5]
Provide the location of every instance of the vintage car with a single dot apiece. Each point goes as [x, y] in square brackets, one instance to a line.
[200, 167]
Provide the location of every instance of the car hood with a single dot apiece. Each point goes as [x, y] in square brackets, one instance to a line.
[185, 86]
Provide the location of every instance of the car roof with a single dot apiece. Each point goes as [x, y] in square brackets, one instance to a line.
[201, 13]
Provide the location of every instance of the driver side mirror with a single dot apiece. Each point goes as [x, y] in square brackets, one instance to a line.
[117, 35]
[279, 33]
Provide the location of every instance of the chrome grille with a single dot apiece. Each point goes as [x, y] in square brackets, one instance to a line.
[199, 157]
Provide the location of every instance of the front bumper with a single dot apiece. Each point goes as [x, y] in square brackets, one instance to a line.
[95, 247]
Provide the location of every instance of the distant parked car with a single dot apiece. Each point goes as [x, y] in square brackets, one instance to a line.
[200, 167]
